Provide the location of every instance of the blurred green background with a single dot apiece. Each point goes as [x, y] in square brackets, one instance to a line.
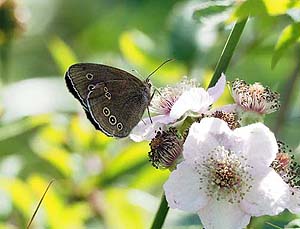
[102, 182]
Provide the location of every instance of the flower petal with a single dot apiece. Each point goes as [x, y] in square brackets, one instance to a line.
[294, 203]
[258, 144]
[195, 100]
[225, 108]
[269, 195]
[145, 130]
[183, 189]
[203, 137]
[216, 91]
[222, 214]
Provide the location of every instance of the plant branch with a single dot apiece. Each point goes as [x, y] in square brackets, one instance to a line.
[228, 50]
[161, 213]
[4, 62]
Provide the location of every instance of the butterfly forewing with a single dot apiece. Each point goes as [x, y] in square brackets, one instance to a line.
[117, 106]
[114, 100]
[81, 77]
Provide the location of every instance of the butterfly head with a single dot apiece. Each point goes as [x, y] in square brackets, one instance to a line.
[148, 83]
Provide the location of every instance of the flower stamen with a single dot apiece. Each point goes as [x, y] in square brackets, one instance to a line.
[255, 97]
[226, 174]
[163, 101]
[287, 167]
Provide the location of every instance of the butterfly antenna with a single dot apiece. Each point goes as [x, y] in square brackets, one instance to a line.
[39, 204]
[158, 68]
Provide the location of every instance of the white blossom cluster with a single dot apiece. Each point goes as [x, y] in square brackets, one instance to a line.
[226, 165]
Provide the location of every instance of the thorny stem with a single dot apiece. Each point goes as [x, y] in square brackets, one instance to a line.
[222, 65]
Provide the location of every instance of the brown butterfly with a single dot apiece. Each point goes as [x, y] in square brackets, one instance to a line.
[113, 99]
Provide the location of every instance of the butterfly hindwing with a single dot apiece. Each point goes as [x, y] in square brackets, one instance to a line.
[117, 106]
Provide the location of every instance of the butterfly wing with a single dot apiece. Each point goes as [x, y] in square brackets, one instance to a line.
[116, 106]
[98, 87]
[83, 76]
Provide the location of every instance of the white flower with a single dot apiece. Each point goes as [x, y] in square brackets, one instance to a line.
[294, 203]
[255, 97]
[163, 101]
[226, 176]
[172, 104]
[289, 170]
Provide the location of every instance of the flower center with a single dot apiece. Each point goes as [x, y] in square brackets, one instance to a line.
[287, 167]
[255, 97]
[162, 103]
[224, 175]
[164, 100]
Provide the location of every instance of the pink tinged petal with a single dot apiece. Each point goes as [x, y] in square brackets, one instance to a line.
[164, 119]
[183, 191]
[222, 214]
[205, 136]
[145, 130]
[294, 203]
[195, 100]
[269, 195]
[258, 144]
[216, 91]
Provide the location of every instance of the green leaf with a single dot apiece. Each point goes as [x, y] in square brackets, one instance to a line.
[54, 205]
[127, 162]
[228, 51]
[155, 178]
[263, 8]
[62, 54]
[210, 8]
[137, 48]
[289, 36]
[18, 127]
[293, 224]
[60, 159]
[22, 200]
[277, 7]
[126, 208]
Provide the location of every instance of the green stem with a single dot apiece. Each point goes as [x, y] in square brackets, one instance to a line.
[161, 213]
[287, 95]
[228, 50]
[4, 62]
[222, 65]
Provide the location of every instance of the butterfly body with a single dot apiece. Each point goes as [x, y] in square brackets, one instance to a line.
[114, 100]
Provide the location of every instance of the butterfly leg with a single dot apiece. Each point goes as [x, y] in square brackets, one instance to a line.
[149, 104]
[149, 114]
[155, 90]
